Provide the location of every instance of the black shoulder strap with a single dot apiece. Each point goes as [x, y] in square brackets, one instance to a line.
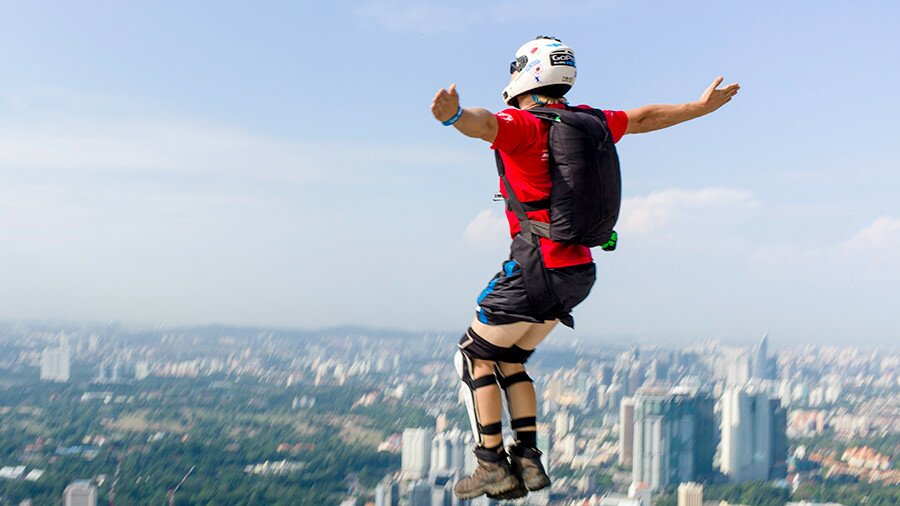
[530, 229]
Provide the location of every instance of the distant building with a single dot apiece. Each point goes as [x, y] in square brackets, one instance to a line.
[690, 494]
[674, 437]
[387, 493]
[55, 363]
[754, 440]
[448, 452]
[415, 460]
[545, 444]
[761, 367]
[641, 492]
[419, 494]
[141, 370]
[778, 463]
[626, 431]
[80, 493]
[618, 500]
[442, 490]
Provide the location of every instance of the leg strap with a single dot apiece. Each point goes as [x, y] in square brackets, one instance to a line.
[519, 377]
[490, 429]
[484, 381]
[526, 421]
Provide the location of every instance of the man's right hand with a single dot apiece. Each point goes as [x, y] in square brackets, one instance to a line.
[445, 103]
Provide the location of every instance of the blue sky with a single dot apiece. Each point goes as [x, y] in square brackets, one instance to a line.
[277, 165]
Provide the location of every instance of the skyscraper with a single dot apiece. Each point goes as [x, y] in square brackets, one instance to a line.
[778, 465]
[751, 447]
[416, 454]
[55, 363]
[448, 452]
[761, 366]
[80, 493]
[674, 437]
[690, 494]
[626, 431]
[419, 494]
[387, 493]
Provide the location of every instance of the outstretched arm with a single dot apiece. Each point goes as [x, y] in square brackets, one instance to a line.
[657, 116]
[474, 122]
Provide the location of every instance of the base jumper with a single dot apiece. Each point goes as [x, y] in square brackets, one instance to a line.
[541, 143]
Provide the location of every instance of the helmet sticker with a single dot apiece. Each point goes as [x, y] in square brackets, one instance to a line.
[562, 58]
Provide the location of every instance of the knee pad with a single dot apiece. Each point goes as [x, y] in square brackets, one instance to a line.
[463, 363]
[478, 347]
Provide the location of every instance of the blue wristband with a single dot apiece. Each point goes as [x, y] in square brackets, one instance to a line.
[454, 118]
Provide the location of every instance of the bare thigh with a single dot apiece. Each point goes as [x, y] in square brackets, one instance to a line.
[526, 335]
[536, 334]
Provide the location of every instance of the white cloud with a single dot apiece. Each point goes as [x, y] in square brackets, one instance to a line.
[881, 238]
[873, 251]
[487, 230]
[648, 214]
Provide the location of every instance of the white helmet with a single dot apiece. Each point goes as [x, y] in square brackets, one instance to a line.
[545, 65]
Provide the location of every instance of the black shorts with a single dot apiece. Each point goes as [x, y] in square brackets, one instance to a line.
[504, 300]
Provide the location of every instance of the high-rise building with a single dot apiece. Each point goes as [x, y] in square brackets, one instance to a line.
[419, 494]
[674, 437]
[690, 494]
[754, 444]
[626, 431]
[544, 443]
[778, 465]
[55, 363]
[442, 490]
[141, 370]
[737, 367]
[563, 422]
[448, 452]
[387, 493]
[415, 460]
[762, 367]
[80, 493]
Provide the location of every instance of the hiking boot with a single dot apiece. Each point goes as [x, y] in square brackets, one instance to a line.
[526, 464]
[492, 476]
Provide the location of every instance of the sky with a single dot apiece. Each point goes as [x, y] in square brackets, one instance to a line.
[276, 164]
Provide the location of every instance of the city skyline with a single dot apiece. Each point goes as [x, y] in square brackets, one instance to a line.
[247, 407]
[164, 164]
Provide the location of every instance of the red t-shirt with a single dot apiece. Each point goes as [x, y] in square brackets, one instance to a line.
[522, 142]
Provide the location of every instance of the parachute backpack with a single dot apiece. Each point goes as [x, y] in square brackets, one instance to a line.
[586, 184]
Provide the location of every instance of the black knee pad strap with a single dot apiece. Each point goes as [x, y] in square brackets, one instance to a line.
[519, 377]
[525, 421]
[484, 381]
[490, 429]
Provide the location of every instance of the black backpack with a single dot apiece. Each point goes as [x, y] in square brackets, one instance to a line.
[586, 189]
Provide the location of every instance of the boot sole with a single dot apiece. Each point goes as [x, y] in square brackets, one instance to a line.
[541, 485]
[504, 485]
[515, 493]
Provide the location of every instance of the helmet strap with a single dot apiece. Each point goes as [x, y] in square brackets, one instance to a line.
[537, 100]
